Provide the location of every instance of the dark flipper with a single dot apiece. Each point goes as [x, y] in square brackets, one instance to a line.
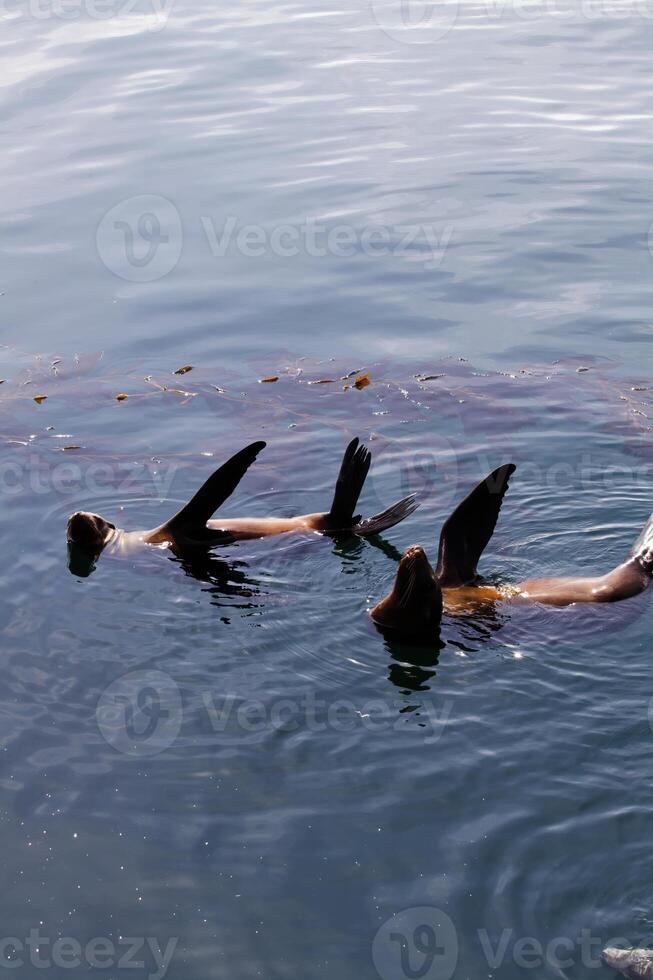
[643, 548]
[387, 518]
[466, 533]
[353, 471]
[215, 491]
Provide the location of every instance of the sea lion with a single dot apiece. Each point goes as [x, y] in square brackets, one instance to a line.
[191, 528]
[415, 602]
[634, 963]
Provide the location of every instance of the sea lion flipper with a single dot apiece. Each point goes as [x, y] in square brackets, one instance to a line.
[219, 486]
[643, 547]
[467, 531]
[387, 518]
[353, 472]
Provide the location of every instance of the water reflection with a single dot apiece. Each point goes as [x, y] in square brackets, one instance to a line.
[80, 562]
[414, 663]
[227, 580]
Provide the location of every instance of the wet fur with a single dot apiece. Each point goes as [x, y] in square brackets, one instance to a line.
[192, 527]
[463, 538]
[634, 963]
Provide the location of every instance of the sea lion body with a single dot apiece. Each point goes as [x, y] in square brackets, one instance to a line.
[414, 604]
[237, 529]
[244, 528]
[193, 527]
[634, 963]
[462, 541]
[626, 580]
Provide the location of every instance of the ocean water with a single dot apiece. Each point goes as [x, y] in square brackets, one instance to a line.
[219, 768]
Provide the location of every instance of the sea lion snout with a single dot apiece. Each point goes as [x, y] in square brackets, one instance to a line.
[615, 957]
[414, 566]
[415, 551]
[414, 605]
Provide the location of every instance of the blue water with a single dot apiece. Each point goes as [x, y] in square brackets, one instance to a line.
[223, 759]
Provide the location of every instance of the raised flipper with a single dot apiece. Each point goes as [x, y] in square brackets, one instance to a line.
[353, 471]
[642, 550]
[387, 518]
[193, 517]
[466, 533]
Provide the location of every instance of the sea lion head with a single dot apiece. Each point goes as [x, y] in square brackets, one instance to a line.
[635, 963]
[414, 606]
[90, 532]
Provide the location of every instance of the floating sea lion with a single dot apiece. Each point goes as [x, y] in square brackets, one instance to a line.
[192, 528]
[415, 603]
[634, 963]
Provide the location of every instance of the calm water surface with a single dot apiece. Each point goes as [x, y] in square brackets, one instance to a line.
[225, 756]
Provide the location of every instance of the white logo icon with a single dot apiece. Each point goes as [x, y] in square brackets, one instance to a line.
[141, 238]
[415, 21]
[140, 714]
[418, 944]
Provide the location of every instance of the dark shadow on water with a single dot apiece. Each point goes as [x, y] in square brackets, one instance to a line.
[415, 660]
[388, 549]
[352, 546]
[80, 562]
[349, 547]
[227, 581]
